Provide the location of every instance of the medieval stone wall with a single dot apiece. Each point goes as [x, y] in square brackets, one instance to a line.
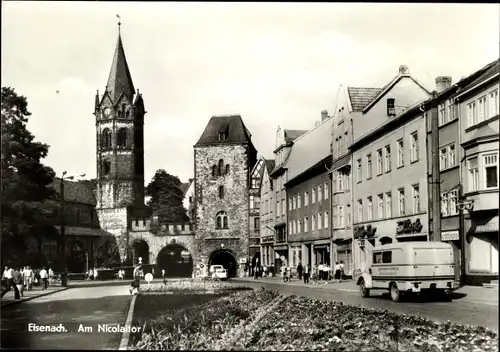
[234, 202]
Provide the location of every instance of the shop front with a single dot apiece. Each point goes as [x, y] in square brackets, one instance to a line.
[321, 252]
[280, 256]
[343, 253]
[482, 251]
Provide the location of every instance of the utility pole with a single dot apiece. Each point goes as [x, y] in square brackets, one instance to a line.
[436, 177]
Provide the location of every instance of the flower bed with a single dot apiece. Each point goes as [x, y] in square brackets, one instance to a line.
[265, 320]
[192, 286]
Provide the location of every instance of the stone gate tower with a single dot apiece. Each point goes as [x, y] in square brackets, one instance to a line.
[119, 116]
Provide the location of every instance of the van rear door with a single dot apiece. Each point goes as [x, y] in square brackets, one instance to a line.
[435, 262]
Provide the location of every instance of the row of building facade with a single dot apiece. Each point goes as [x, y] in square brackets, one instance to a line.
[379, 170]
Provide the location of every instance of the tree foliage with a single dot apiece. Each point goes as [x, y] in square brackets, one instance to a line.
[25, 179]
[166, 198]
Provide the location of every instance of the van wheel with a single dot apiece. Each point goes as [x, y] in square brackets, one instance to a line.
[395, 295]
[365, 292]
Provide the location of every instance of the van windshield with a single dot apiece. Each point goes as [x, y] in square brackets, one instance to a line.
[433, 256]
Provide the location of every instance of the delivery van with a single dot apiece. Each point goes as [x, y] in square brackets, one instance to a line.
[410, 267]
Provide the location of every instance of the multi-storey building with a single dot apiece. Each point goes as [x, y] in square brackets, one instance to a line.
[267, 232]
[389, 176]
[224, 157]
[284, 143]
[308, 191]
[478, 109]
[255, 205]
[188, 201]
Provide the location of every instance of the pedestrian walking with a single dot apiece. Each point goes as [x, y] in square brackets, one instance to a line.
[8, 274]
[337, 271]
[307, 271]
[136, 283]
[28, 278]
[342, 272]
[51, 277]
[44, 278]
[315, 273]
[17, 277]
[96, 273]
[299, 270]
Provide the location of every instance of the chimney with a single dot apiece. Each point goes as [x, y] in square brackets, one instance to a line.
[403, 70]
[324, 115]
[442, 83]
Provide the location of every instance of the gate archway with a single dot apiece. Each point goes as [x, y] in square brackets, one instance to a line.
[176, 260]
[140, 249]
[225, 258]
[77, 260]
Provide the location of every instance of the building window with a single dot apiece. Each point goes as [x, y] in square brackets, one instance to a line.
[481, 109]
[306, 198]
[294, 202]
[388, 205]
[313, 196]
[278, 208]
[360, 210]
[493, 97]
[442, 114]
[401, 153]
[341, 223]
[491, 170]
[380, 162]
[450, 111]
[348, 216]
[387, 164]
[369, 209]
[106, 138]
[214, 170]
[127, 113]
[222, 136]
[300, 226]
[340, 178]
[326, 219]
[319, 221]
[228, 169]
[449, 203]
[416, 199]
[299, 202]
[346, 143]
[320, 193]
[283, 210]
[254, 182]
[121, 138]
[256, 223]
[368, 166]
[306, 224]
[414, 147]
[221, 196]
[221, 220]
[77, 215]
[471, 114]
[401, 196]
[391, 109]
[313, 223]
[341, 146]
[290, 203]
[221, 167]
[106, 167]
[326, 190]
[335, 216]
[473, 174]
[447, 157]
[360, 170]
[380, 206]
[334, 181]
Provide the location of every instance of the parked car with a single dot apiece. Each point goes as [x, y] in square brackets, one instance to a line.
[410, 267]
[220, 274]
[215, 267]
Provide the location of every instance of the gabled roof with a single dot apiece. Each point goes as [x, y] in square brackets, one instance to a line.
[489, 70]
[184, 187]
[361, 97]
[291, 135]
[120, 80]
[309, 149]
[232, 126]
[78, 192]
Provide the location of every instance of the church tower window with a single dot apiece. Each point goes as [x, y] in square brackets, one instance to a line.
[221, 192]
[221, 221]
[228, 169]
[221, 165]
[106, 167]
[214, 170]
[106, 138]
[122, 137]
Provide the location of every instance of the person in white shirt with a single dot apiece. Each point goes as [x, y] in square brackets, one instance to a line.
[320, 271]
[95, 274]
[44, 277]
[342, 273]
[28, 278]
[51, 276]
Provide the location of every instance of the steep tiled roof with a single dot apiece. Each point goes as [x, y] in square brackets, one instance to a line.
[309, 149]
[232, 126]
[291, 135]
[78, 192]
[361, 97]
[119, 77]
[488, 71]
[184, 187]
[270, 164]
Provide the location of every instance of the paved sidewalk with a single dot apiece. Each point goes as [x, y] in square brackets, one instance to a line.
[9, 299]
[468, 293]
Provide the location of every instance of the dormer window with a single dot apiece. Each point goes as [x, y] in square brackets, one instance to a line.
[222, 136]
[391, 110]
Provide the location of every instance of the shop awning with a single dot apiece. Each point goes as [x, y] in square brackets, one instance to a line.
[490, 226]
[282, 247]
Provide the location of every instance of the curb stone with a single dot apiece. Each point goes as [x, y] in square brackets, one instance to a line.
[126, 335]
[33, 297]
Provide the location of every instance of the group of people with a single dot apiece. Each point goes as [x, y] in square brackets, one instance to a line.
[20, 279]
[321, 272]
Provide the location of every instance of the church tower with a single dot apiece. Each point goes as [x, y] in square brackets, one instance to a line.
[119, 114]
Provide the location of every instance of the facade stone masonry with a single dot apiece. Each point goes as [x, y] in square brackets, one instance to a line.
[234, 203]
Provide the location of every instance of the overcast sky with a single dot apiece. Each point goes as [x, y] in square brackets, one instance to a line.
[274, 64]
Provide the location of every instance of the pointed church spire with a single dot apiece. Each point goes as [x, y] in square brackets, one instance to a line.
[119, 80]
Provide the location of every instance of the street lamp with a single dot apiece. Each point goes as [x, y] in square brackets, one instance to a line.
[467, 205]
[62, 241]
